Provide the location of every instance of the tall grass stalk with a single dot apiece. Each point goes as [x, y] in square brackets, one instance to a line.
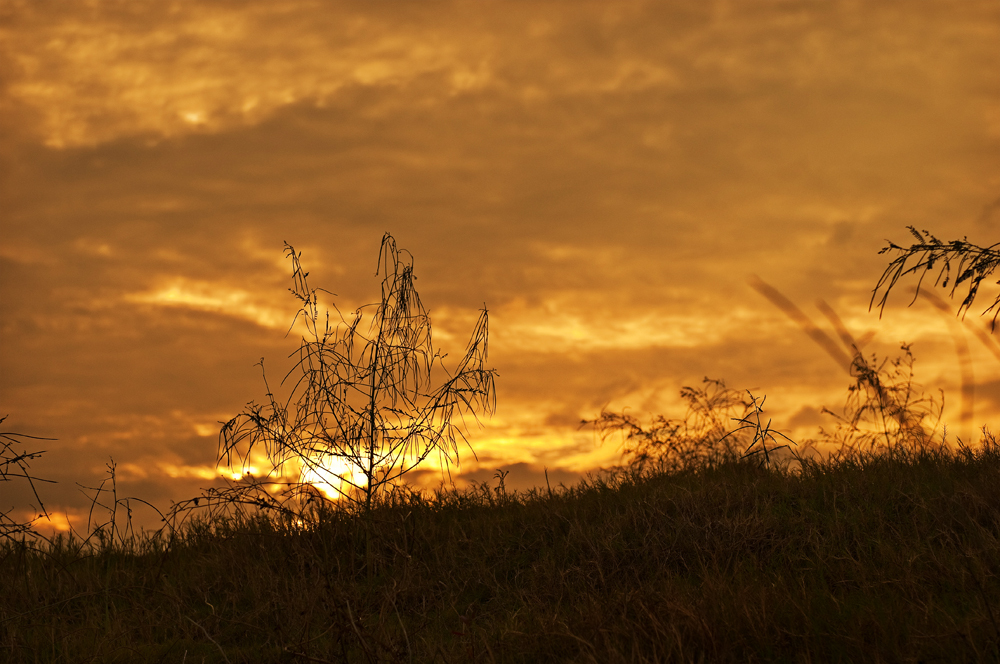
[957, 262]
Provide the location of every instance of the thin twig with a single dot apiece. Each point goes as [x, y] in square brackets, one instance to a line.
[209, 637]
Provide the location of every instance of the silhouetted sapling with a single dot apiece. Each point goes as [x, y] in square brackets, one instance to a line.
[364, 411]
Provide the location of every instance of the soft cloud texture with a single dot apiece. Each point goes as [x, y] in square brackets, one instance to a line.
[604, 176]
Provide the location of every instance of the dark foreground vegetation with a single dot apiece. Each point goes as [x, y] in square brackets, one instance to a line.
[890, 556]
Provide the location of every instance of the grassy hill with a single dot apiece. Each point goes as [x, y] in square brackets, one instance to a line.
[886, 556]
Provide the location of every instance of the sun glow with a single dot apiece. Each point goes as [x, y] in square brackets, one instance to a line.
[330, 475]
[333, 476]
[336, 477]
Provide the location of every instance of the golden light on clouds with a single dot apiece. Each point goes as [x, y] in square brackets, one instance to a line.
[215, 298]
[198, 472]
[55, 522]
[547, 329]
[205, 67]
[603, 177]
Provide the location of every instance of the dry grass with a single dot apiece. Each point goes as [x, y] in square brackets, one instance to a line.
[881, 556]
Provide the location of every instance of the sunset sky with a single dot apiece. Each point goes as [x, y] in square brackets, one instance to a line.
[606, 177]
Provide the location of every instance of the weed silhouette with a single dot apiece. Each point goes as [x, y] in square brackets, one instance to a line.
[972, 264]
[15, 462]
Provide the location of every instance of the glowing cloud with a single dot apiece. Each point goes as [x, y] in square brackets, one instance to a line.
[216, 298]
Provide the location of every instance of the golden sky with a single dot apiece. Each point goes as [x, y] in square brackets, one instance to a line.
[605, 176]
